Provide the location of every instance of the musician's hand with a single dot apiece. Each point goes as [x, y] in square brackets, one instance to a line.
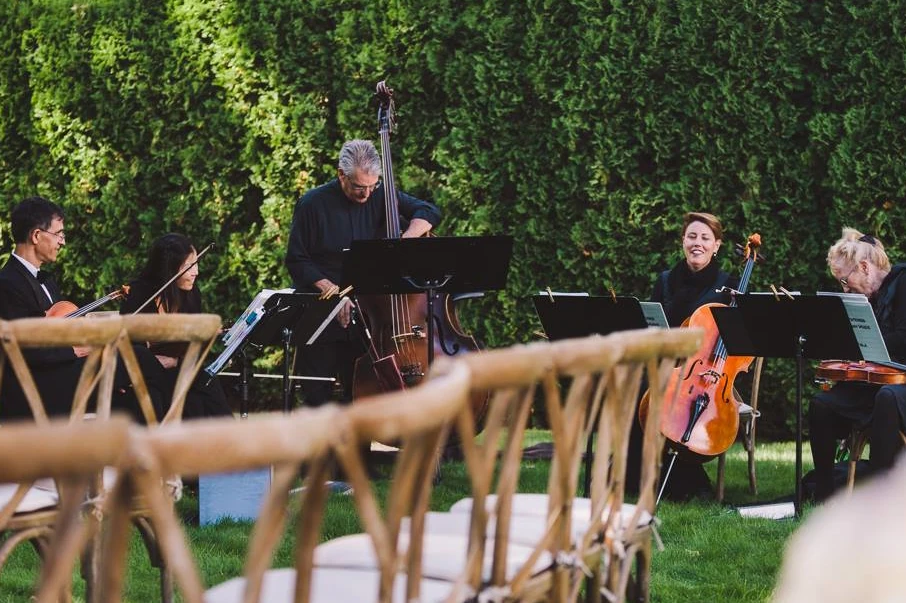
[167, 362]
[81, 351]
[417, 227]
[345, 314]
[325, 284]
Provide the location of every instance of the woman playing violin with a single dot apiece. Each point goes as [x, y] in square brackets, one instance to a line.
[860, 265]
[170, 255]
[694, 281]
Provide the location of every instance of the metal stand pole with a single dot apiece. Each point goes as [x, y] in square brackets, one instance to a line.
[798, 498]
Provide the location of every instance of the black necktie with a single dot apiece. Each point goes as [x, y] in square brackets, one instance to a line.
[42, 276]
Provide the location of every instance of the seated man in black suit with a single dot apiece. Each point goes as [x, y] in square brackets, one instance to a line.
[26, 291]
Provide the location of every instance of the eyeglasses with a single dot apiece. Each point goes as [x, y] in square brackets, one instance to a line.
[60, 234]
[362, 188]
[845, 280]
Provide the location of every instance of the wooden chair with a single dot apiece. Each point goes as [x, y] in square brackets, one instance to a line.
[628, 562]
[29, 510]
[198, 332]
[417, 418]
[600, 535]
[748, 418]
[456, 547]
[73, 455]
[541, 545]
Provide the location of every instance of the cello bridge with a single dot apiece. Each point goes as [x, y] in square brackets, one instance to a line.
[711, 374]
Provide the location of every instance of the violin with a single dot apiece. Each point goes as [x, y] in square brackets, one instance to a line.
[67, 309]
[703, 418]
[868, 372]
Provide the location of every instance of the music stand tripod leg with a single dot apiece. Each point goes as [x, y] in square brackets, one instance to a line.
[673, 454]
[243, 384]
[287, 384]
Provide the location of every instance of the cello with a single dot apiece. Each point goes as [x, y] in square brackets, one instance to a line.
[703, 418]
[395, 326]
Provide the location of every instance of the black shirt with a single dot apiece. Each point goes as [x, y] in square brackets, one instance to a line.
[325, 222]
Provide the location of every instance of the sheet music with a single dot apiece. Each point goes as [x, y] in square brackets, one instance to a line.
[865, 326]
[233, 338]
[654, 314]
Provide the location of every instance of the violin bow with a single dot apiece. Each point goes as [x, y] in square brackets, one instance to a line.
[175, 276]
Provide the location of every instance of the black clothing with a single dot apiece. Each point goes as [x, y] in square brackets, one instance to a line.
[833, 413]
[681, 291]
[56, 370]
[206, 398]
[325, 222]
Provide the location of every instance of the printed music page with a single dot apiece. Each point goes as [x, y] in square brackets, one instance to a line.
[864, 325]
[654, 315]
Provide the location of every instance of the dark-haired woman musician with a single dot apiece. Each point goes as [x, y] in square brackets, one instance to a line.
[860, 265]
[694, 281]
[170, 255]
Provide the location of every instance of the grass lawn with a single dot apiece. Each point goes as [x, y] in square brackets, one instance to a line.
[711, 553]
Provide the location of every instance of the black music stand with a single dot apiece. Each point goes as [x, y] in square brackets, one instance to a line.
[428, 265]
[566, 316]
[780, 326]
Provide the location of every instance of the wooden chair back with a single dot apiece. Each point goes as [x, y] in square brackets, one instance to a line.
[416, 418]
[28, 513]
[197, 330]
[73, 454]
[625, 532]
[100, 334]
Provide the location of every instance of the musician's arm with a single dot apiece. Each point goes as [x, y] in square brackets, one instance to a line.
[421, 215]
[895, 339]
[304, 272]
[417, 227]
[14, 304]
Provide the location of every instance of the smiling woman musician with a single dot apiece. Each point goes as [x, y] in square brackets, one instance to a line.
[860, 265]
[694, 281]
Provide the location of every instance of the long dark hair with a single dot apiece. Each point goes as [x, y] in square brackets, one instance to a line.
[166, 257]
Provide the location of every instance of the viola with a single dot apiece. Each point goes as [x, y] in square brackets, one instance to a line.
[67, 309]
[396, 325]
[703, 418]
[868, 372]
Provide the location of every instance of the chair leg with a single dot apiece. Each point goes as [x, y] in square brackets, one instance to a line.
[750, 451]
[146, 530]
[721, 469]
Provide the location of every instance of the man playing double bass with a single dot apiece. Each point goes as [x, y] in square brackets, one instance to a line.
[27, 291]
[326, 220]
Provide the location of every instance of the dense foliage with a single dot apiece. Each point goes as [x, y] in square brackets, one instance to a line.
[585, 129]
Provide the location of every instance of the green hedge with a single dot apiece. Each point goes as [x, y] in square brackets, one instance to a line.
[585, 129]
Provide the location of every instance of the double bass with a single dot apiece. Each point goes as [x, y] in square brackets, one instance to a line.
[703, 418]
[396, 326]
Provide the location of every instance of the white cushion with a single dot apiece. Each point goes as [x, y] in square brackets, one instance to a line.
[328, 586]
[48, 484]
[443, 558]
[536, 505]
[35, 499]
[526, 530]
